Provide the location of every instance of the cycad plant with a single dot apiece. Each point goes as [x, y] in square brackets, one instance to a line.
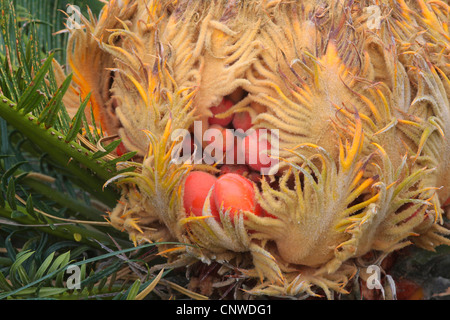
[93, 204]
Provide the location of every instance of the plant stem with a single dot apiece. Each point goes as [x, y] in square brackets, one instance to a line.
[89, 173]
[65, 230]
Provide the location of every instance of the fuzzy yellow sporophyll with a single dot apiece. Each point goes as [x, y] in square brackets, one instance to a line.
[362, 115]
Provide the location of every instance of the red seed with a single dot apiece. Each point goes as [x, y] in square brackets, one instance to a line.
[237, 95]
[256, 151]
[408, 290]
[196, 189]
[224, 106]
[235, 154]
[121, 149]
[227, 136]
[239, 169]
[242, 120]
[234, 193]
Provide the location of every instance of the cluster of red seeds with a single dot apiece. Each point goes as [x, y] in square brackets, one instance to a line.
[233, 190]
[229, 192]
[252, 146]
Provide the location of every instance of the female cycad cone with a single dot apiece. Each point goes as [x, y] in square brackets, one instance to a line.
[356, 91]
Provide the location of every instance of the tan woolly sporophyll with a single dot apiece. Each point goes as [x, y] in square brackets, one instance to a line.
[363, 116]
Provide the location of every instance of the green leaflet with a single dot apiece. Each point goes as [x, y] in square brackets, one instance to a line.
[32, 104]
[77, 121]
[63, 265]
[71, 155]
[32, 95]
[50, 114]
